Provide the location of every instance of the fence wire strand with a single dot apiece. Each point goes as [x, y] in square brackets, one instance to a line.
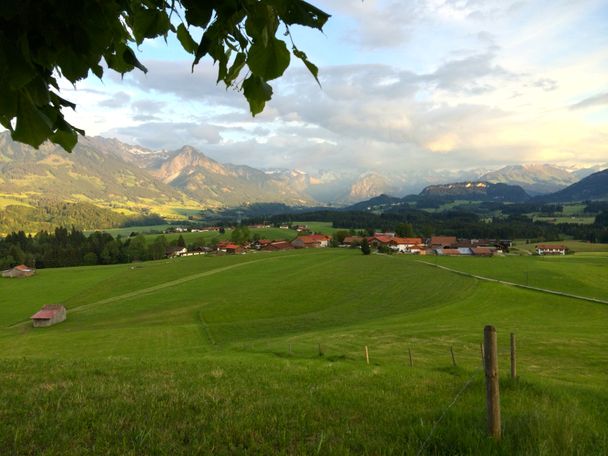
[445, 411]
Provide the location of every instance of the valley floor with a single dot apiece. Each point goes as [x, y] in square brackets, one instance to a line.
[264, 353]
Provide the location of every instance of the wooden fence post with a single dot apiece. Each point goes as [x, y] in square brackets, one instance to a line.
[453, 359]
[366, 355]
[410, 352]
[492, 389]
[482, 356]
[513, 358]
[320, 350]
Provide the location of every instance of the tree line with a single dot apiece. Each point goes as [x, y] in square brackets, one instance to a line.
[463, 224]
[71, 247]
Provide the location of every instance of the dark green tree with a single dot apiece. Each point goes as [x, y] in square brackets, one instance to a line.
[365, 248]
[42, 39]
[181, 242]
[404, 230]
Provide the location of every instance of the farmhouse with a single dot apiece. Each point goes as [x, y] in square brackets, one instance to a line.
[176, 251]
[352, 240]
[49, 315]
[443, 241]
[311, 241]
[233, 248]
[277, 245]
[551, 249]
[406, 244]
[19, 271]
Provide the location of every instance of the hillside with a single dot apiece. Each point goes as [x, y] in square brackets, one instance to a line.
[593, 187]
[477, 191]
[201, 355]
[223, 184]
[93, 173]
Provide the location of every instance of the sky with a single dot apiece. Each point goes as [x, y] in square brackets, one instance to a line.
[405, 86]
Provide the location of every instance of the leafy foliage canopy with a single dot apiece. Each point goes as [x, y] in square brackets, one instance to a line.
[43, 40]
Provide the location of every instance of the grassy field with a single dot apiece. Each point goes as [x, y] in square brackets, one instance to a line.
[574, 246]
[221, 355]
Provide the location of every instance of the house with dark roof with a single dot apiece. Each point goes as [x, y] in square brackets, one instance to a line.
[19, 271]
[443, 241]
[277, 245]
[49, 315]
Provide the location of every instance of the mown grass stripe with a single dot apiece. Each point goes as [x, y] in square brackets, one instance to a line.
[519, 285]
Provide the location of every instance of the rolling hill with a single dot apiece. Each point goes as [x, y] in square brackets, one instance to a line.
[264, 354]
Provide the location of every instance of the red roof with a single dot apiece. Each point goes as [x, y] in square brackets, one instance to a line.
[23, 268]
[380, 238]
[443, 240]
[412, 241]
[232, 246]
[312, 238]
[47, 312]
[551, 246]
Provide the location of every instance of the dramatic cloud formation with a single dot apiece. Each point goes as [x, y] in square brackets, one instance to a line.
[435, 84]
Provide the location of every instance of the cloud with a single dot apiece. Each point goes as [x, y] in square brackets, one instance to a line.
[148, 106]
[595, 100]
[118, 100]
[165, 135]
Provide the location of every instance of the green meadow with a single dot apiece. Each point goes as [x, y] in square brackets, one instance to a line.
[264, 354]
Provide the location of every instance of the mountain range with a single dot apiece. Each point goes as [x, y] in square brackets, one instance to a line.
[134, 180]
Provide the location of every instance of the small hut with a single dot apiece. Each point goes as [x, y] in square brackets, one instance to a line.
[49, 315]
[19, 271]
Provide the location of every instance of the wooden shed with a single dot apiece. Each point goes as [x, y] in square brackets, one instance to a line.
[19, 271]
[49, 315]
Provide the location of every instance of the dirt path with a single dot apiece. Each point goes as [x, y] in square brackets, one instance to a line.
[513, 284]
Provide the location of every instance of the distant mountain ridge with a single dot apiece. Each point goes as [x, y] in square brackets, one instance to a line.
[593, 187]
[477, 191]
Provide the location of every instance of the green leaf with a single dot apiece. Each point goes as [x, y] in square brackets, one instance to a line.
[186, 39]
[149, 23]
[129, 57]
[235, 69]
[311, 66]
[198, 13]
[65, 138]
[258, 92]
[300, 12]
[33, 127]
[269, 62]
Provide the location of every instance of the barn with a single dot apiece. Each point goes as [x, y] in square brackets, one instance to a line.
[49, 315]
[19, 271]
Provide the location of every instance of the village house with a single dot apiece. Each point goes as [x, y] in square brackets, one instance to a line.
[49, 315]
[277, 245]
[403, 245]
[19, 271]
[551, 249]
[443, 241]
[352, 240]
[311, 241]
[233, 249]
[483, 251]
[261, 243]
[379, 239]
[175, 251]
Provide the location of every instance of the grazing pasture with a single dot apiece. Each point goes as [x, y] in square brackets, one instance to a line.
[264, 353]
